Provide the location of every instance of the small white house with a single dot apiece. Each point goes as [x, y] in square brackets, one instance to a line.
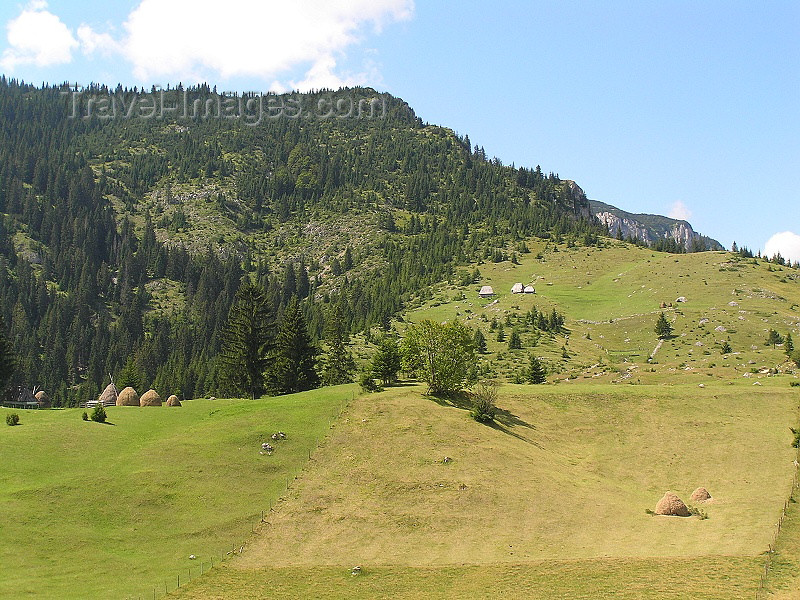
[486, 292]
[517, 288]
[529, 289]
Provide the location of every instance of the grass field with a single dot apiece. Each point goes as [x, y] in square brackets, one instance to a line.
[548, 503]
[611, 298]
[552, 499]
[109, 511]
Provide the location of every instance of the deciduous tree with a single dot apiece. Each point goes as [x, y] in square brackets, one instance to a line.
[440, 354]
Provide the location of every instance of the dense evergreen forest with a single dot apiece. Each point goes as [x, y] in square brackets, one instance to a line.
[124, 239]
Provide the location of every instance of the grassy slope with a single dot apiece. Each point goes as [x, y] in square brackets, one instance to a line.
[567, 476]
[99, 511]
[611, 299]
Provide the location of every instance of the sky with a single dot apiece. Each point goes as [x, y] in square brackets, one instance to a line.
[683, 108]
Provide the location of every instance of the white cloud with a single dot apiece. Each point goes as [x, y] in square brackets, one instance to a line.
[92, 42]
[37, 37]
[680, 211]
[787, 244]
[256, 38]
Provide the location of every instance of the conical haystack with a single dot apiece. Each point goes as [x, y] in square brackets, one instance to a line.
[128, 397]
[701, 495]
[109, 395]
[150, 398]
[671, 505]
[43, 399]
[173, 401]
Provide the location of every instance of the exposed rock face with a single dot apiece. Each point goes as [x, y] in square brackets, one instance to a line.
[578, 200]
[649, 228]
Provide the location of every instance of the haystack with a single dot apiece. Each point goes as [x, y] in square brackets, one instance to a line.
[701, 495]
[43, 399]
[128, 397]
[173, 401]
[109, 395]
[150, 398]
[670, 504]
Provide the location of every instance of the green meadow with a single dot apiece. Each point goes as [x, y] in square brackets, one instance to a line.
[552, 501]
[113, 510]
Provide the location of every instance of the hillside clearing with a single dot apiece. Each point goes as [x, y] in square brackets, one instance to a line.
[565, 476]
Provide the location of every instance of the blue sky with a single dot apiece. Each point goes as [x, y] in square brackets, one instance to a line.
[690, 109]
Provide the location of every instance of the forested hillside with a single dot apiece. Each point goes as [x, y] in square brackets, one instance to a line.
[125, 235]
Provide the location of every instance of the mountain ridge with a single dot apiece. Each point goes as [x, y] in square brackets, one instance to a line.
[651, 228]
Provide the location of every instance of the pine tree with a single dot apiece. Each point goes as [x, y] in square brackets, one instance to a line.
[246, 341]
[663, 328]
[773, 339]
[480, 342]
[339, 363]
[788, 345]
[514, 340]
[294, 354]
[131, 375]
[536, 373]
[8, 359]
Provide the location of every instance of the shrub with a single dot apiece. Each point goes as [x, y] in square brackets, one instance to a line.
[12, 419]
[85, 416]
[99, 414]
[794, 383]
[796, 441]
[484, 399]
[697, 512]
[367, 383]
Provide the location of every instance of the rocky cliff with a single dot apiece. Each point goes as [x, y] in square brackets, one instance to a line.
[649, 228]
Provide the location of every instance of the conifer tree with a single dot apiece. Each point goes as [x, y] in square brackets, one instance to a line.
[788, 345]
[246, 341]
[536, 373]
[339, 363]
[293, 369]
[514, 340]
[7, 357]
[773, 339]
[131, 375]
[480, 342]
[663, 328]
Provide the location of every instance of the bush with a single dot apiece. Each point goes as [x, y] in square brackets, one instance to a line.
[12, 419]
[484, 399]
[367, 383]
[697, 512]
[85, 416]
[99, 414]
[794, 383]
[796, 441]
